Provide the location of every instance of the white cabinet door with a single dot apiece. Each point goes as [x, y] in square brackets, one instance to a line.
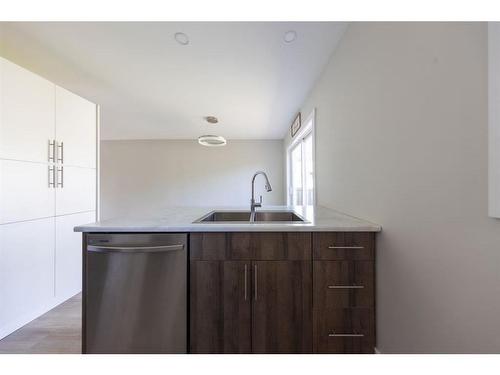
[69, 254]
[27, 115]
[24, 191]
[76, 127]
[26, 272]
[78, 190]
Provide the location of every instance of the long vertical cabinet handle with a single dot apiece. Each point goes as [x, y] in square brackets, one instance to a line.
[60, 183]
[52, 176]
[51, 151]
[60, 152]
[246, 275]
[255, 282]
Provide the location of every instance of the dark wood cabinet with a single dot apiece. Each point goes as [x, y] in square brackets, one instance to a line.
[251, 246]
[344, 246]
[270, 246]
[345, 331]
[282, 307]
[344, 307]
[220, 305]
[292, 292]
[344, 284]
[207, 246]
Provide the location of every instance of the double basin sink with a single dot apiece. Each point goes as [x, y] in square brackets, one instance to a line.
[244, 216]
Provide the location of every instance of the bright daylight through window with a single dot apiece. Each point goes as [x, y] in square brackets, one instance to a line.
[301, 166]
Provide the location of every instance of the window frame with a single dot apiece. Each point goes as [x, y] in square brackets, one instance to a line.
[308, 129]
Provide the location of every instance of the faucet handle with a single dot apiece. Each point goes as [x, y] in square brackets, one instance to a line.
[259, 203]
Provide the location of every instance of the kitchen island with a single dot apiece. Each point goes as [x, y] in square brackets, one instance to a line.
[206, 280]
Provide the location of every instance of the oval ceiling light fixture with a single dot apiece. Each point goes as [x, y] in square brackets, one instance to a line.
[212, 119]
[290, 36]
[212, 140]
[181, 38]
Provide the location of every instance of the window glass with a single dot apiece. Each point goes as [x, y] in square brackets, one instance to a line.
[301, 169]
[308, 169]
[296, 171]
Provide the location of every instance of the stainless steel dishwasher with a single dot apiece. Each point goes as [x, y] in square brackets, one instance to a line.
[135, 293]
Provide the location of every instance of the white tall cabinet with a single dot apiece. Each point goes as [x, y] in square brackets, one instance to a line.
[48, 172]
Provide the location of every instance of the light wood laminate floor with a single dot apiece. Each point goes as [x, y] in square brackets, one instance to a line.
[57, 331]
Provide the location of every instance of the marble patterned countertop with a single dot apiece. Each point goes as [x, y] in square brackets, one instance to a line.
[182, 219]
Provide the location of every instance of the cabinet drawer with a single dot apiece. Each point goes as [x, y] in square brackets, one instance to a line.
[342, 284]
[344, 245]
[207, 246]
[270, 246]
[348, 330]
[251, 246]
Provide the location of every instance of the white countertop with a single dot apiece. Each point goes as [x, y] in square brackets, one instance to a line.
[181, 219]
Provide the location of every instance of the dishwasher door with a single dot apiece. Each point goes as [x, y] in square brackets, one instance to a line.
[135, 297]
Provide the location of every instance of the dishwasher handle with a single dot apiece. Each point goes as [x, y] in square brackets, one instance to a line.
[134, 249]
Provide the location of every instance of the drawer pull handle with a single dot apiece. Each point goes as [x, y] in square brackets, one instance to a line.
[346, 247]
[134, 249]
[51, 177]
[60, 183]
[346, 286]
[60, 152]
[52, 145]
[345, 335]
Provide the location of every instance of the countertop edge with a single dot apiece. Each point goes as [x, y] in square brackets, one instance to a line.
[85, 229]
[319, 219]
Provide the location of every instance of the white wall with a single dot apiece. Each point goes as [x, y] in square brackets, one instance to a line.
[144, 175]
[494, 118]
[401, 132]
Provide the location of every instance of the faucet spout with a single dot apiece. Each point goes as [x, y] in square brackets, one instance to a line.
[254, 204]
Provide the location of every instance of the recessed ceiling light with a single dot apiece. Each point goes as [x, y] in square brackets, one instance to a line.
[181, 38]
[212, 119]
[212, 140]
[290, 36]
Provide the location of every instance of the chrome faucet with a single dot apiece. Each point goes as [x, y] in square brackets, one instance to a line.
[254, 204]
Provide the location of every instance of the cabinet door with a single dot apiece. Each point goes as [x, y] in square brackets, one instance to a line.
[26, 272]
[220, 307]
[282, 307]
[76, 128]
[76, 191]
[24, 191]
[68, 257]
[27, 115]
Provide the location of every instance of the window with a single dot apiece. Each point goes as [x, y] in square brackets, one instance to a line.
[300, 170]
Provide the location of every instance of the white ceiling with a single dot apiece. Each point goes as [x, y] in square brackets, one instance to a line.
[151, 87]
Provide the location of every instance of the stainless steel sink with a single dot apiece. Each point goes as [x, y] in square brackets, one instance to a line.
[244, 216]
[266, 216]
[225, 216]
